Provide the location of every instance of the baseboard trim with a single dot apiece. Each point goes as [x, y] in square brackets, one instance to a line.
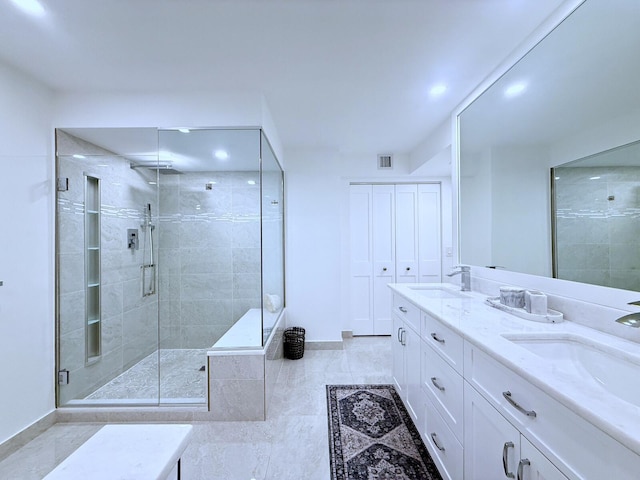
[347, 334]
[20, 439]
[323, 345]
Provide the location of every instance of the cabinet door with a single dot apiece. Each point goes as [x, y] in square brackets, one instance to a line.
[407, 265]
[361, 291]
[414, 395]
[383, 245]
[429, 240]
[397, 349]
[491, 444]
[534, 465]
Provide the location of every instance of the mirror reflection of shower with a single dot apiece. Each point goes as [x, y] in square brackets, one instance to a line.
[148, 268]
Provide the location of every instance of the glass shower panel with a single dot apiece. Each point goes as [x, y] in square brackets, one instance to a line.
[209, 254]
[272, 201]
[107, 329]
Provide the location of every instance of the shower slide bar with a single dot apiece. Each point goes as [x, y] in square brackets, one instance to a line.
[148, 269]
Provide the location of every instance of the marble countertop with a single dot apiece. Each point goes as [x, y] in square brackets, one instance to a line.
[143, 452]
[484, 326]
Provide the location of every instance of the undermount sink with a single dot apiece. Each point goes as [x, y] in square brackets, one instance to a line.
[611, 369]
[435, 291]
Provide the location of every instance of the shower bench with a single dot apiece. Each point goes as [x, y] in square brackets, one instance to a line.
[128, 451]
[243, 372]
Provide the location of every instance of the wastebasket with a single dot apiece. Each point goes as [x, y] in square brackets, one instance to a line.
[293, 343]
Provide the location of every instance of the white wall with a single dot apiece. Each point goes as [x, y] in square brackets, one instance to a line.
[317, 239]
[26, 253]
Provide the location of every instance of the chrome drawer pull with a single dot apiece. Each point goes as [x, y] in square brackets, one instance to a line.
[435, 337]
[435, 442]
[523, 463]
[434, 380]
[505, 451]
[402, 309]
[517, 406]
[398, 334]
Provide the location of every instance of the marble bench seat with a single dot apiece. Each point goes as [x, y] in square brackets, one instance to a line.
[125, 452]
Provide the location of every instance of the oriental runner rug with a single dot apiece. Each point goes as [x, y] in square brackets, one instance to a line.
[372, 437]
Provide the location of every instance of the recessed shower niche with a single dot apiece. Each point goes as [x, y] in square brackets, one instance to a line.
[169, 241]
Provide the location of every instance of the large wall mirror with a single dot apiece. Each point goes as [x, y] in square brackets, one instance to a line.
[548, 156]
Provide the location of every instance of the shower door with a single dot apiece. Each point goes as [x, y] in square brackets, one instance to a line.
[107, 307]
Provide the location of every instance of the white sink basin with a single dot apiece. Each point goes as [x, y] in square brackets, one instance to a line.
[436, 291]
[611, 369]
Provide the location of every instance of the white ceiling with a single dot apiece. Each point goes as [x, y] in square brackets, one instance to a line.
[352, 75]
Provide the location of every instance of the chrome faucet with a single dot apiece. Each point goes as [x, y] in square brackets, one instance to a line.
[465, 280]
[631, 319]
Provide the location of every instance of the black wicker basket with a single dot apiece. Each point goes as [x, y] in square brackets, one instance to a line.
[293, 343]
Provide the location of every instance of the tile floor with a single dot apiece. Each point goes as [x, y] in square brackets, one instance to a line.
[291, 445]
[180, 377]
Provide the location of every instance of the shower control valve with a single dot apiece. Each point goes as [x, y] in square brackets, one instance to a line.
[132, 239]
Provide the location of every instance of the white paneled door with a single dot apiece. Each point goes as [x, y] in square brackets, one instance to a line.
[394, 238]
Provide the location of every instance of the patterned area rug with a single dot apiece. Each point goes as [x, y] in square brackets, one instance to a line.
[372, 437]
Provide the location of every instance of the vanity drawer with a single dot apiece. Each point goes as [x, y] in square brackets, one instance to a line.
[444, 340]
[444, 387]
[445, 449]
[575, 446]
[407, 311]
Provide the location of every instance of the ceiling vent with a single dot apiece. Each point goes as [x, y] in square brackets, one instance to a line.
[385, 162]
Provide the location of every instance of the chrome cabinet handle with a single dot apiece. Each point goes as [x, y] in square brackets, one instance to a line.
[523, 463]
[517, 406]
[505, 451]
[402, 337]
[398, 334]
[436, 338]
[435, 442]
[402, 309]
[434, 380]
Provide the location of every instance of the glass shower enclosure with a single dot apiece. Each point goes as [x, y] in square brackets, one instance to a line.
[168, 241]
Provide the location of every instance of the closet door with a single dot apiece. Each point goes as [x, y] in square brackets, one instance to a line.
[383, 240]
[429, 234]
[407, 264]
[361, 277]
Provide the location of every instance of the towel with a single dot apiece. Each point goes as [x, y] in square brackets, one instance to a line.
[272, 303]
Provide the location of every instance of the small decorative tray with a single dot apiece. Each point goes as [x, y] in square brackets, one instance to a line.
[552, 316]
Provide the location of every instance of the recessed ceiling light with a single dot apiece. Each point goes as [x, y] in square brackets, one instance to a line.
[515, 89]
[79, 156]
[32, 7]
[438, 90]
[221, 154]
[184, 130]
[594, 178]
[251, 182]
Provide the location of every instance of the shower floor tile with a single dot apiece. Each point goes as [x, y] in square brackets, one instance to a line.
[180, 375]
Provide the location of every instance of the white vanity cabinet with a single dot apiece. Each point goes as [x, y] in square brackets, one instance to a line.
[495, 449]
[442, 386]
[481, 414]
[406, 355]
[571, 444]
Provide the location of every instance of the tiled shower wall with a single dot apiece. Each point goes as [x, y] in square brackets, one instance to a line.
[598, 225]
[209, 254]
[129, 320]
